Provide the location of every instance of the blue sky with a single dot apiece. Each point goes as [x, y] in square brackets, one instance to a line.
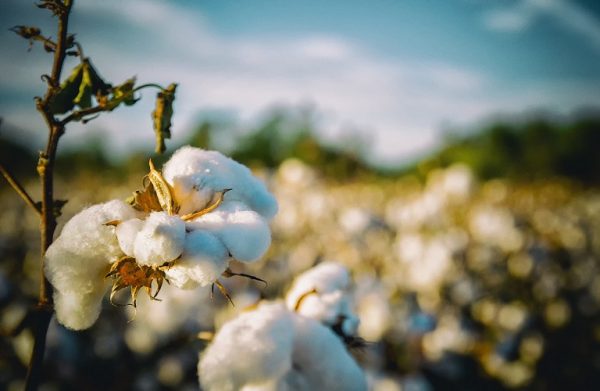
[398, 71]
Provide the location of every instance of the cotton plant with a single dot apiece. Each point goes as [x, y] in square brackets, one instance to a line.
[296, 344]
[190, 220]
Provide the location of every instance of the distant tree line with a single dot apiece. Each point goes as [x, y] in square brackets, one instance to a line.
[532, 150]
[536, 149]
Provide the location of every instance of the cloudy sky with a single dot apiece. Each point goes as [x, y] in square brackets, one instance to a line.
[400, 71]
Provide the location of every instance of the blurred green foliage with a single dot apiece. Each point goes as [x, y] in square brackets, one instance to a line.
[284, 135]
[536, 149]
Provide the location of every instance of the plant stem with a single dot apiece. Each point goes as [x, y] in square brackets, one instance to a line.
[147, 85]
[19, 189]
[45, 170]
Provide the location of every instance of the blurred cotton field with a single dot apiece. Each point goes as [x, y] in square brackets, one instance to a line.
[457, 283]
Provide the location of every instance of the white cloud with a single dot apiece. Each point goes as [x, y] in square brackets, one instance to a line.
[399, 104]
[524, 13]
[514, 19]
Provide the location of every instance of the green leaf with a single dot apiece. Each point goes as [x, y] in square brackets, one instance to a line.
[161, 116]
[63, 101]
[84, 96]
[99, 87]
[123, 93]
[91, 85]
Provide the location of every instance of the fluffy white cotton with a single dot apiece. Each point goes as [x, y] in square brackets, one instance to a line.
[204, 259]
[330, 302]
[78, 260]
[126, 233]
[196, 175]
[272, 348]
[160, 240]
[321, 361]
[245, 233]
[325, 277]
[253, 349]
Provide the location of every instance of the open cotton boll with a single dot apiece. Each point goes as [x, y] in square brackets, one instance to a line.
[126, 233]
[160, 240]
[203, 260]
[325, 278]
[196, 175]
[321, 293]
[325, 308]
[272, 348]
[320, 360]
[251, 350]
[245, 233]
[86, 235]
[78, 260]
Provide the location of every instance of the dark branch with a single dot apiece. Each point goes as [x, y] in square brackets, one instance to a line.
[19, 189]
[79, 115]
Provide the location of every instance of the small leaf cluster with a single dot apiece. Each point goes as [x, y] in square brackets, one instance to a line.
[83, 83]
[84, 94]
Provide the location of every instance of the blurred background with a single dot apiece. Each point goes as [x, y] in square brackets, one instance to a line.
[446, 152]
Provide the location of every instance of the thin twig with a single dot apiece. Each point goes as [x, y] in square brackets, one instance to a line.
[45, 170]
[147, 85]
[19, 189]
[79, 114]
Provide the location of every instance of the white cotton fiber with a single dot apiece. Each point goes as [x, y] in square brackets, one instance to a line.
[126, 233]
[79, 311]
[272, 348]
[245, 233]
[196, 175]
[325, 277]
[253, 349]
[321, 361]
[203, 260]
[78, 260]
[160, 240]
[330, 302]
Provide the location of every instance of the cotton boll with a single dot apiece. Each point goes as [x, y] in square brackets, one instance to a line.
[252, 350]
[325, 308]
[272, 348]
[321, 361]
[196, 175]
[204, 259]
[321, 293]
[178, 276]
[79, 311]
[245, 233]
[328, 279]
[126, 234]
[78, 260]
[325, 277]
[189, 195]
[160, 240]
[86, 235]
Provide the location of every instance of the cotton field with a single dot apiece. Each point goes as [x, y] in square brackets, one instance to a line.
[436, 283]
